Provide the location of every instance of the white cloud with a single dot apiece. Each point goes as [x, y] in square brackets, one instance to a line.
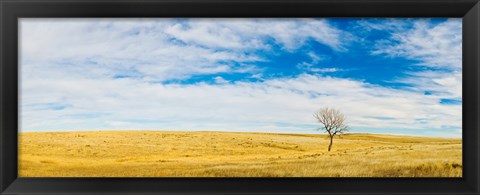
[438, 48]
[325, 70]
[383, 24]
[237, 106]
[315, 57]
[110, 47]
[314, 63]
[254, 33]
[163, 49]
[220, 80]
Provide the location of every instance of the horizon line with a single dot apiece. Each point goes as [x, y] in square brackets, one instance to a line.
[223, 131]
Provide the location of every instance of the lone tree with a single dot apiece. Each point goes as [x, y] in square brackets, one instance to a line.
[333, 122]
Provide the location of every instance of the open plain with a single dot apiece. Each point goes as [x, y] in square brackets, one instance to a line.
[234, 154]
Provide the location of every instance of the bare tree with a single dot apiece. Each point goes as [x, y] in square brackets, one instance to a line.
[333, 122]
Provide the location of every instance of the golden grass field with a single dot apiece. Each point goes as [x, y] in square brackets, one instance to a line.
[232, 154]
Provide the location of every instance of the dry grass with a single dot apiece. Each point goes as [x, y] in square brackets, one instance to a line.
[223, 154]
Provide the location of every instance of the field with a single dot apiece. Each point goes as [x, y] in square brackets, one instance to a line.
[232, 154]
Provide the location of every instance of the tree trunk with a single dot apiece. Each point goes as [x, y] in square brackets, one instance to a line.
[331, 141]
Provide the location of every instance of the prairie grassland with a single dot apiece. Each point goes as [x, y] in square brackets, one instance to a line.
[231, 154]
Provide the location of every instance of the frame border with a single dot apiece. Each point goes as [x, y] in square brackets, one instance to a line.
[12, 10]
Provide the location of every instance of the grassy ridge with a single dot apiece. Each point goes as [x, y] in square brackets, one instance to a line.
[232, 154]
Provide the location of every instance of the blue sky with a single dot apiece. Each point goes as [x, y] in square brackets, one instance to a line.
[398, 76]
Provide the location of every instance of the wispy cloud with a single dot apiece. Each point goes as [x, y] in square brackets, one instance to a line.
[254, 33]
[163, 49]
[315, 63]
[233, 106]
[437, 48]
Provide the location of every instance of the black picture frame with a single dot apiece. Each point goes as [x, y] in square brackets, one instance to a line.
[12, 10]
